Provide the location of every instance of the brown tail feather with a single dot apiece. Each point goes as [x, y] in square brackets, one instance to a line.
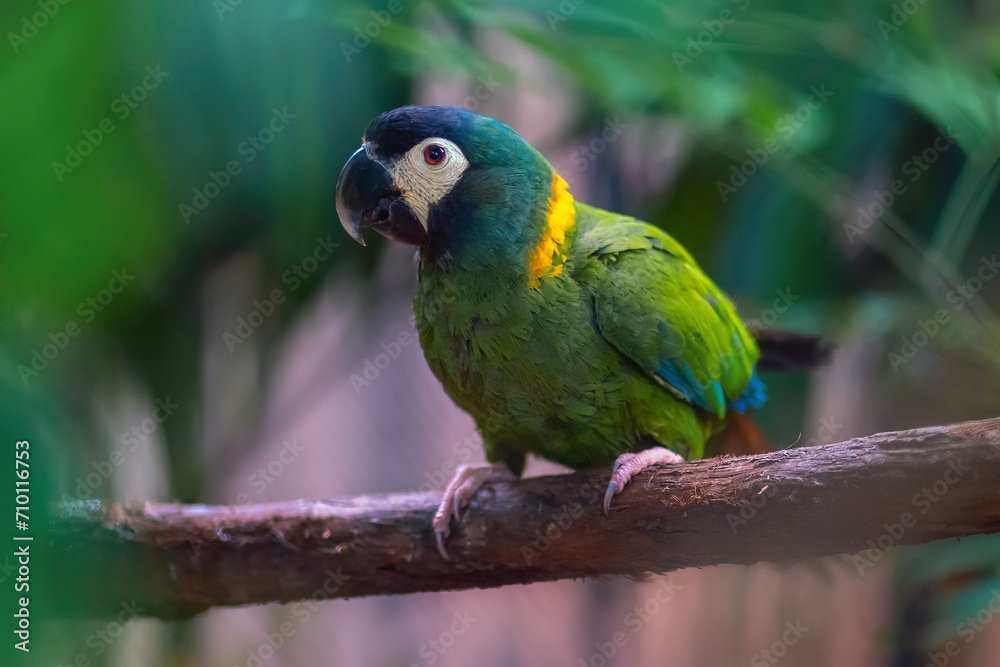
[741, 437]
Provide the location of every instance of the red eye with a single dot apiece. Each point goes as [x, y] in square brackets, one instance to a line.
[433, 154]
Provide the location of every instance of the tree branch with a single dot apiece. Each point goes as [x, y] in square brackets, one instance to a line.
[860, 496]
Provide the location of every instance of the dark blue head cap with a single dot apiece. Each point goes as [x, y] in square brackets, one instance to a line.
[397, 131]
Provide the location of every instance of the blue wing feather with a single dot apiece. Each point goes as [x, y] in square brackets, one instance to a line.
[754, 396]
[712, 398]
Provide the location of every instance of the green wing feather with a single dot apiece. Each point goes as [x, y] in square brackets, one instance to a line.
[656, 306]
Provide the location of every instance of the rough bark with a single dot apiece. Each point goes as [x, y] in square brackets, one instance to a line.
[856, 497]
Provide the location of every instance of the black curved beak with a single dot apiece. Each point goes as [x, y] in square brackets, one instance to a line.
[368, 197]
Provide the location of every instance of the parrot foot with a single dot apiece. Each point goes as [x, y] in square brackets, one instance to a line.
[628, 465]
[465, 483]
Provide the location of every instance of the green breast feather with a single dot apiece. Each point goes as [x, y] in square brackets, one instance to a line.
[629, 346]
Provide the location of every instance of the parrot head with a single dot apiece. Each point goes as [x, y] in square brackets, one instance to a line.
[460, 186]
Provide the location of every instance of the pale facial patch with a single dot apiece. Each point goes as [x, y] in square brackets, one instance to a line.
[422, 184]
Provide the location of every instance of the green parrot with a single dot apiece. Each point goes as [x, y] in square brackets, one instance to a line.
[586, 337]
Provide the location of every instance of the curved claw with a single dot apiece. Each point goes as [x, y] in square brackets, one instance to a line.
[441, 548]
[628, 465]
[609, 494]
[467, 480]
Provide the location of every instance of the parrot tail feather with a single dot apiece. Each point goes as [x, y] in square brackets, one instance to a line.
[741, 437]
[786, 350]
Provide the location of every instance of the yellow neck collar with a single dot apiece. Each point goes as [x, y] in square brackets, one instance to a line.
[547, 258]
